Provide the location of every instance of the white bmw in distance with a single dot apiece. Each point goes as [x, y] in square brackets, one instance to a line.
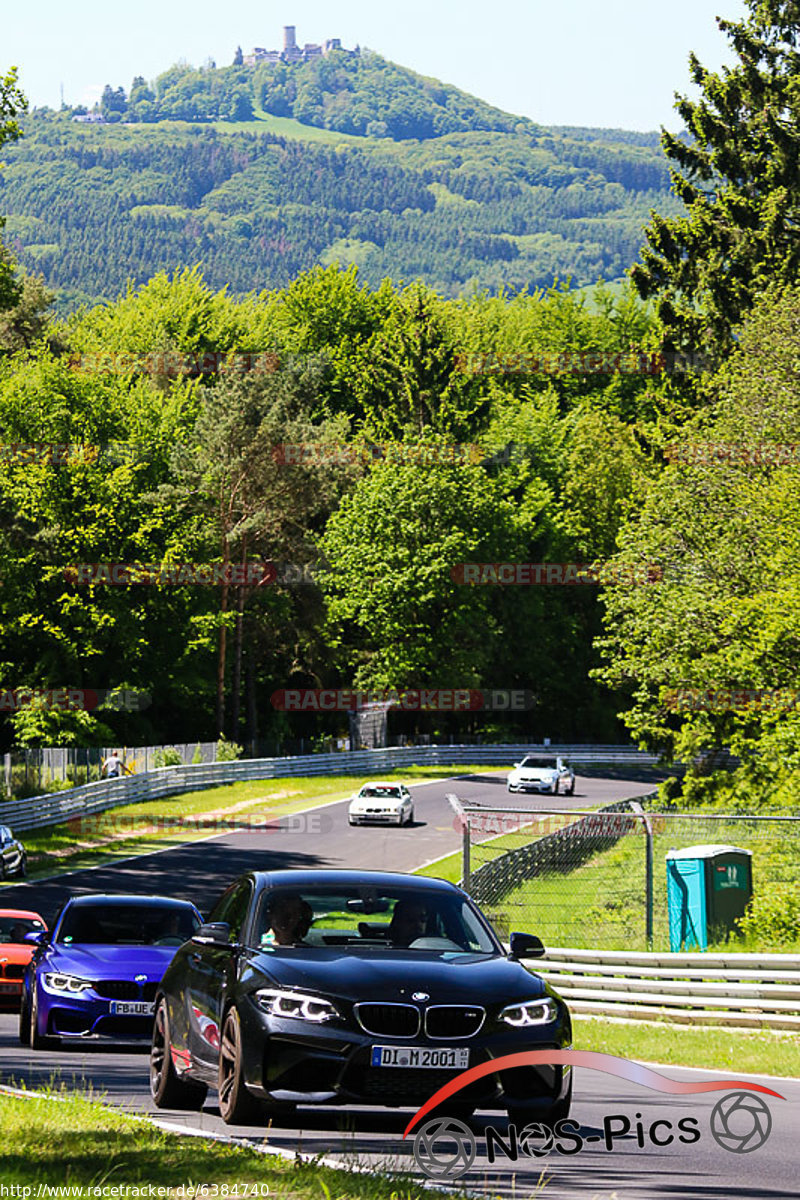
[542, 773]
[383, 803]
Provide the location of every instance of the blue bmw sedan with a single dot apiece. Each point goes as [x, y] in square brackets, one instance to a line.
[96, 974]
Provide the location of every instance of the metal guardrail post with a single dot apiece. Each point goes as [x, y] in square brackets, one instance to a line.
[466, 835]
[648, 872]
[466, 871]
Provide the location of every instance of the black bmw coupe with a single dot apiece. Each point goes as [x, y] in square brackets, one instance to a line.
[355, 987]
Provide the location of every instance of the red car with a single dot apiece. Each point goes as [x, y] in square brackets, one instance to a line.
[15, 952]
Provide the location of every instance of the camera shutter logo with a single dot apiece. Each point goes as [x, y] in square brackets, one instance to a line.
[740, 1122]
[535, 1140]
[444, 1148]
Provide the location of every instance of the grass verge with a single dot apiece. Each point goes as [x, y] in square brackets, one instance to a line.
[72, 1141]
[173, 820]
[749, 1051]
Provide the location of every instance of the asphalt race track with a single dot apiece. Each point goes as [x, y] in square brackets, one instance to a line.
[703, 1170]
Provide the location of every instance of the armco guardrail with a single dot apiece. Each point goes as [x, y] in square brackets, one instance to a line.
[89, 798]
[585, 836]
[748, 990]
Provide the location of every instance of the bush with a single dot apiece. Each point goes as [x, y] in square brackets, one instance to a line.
[227, 751]
[773, 916]
[167, 757]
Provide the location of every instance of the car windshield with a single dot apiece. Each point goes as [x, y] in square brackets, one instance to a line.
[128, 924]
[379, 919]
[375, 792]
[546, 763]
[13, 929]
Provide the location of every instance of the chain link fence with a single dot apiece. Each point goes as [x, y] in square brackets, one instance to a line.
[598, 879]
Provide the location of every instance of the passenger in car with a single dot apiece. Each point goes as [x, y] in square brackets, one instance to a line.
[290, 918]
[409, 922]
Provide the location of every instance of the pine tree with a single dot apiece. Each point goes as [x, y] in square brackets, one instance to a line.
[238, 58]
[739, 176]
[12, 103]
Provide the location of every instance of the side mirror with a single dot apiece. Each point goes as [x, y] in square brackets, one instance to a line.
[517, 764]
[526, 945]
[37, 937]
[213, 933]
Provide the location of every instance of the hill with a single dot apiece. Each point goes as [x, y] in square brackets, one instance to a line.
[347, 158]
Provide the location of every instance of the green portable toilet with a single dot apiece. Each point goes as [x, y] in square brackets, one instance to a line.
[708, 888]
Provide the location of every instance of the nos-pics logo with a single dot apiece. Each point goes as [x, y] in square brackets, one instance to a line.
[446, 1148]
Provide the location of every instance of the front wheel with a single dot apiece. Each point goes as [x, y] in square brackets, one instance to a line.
[236, 1105]
[166, 1086]
[520, 1116]
[571, 788]
[24, 1021]
[555, 788]
[560, 1110]
[37, 1040]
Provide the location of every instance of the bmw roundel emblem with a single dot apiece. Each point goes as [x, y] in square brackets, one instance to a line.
[420, 996]
[140, 979]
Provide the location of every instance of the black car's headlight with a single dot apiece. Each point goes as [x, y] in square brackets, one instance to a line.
[66, 985]
[530, 1012]
[280, 1002]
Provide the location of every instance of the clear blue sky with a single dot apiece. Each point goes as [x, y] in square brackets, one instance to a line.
[609, 63]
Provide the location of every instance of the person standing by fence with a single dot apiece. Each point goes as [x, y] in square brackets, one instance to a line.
[113, 766]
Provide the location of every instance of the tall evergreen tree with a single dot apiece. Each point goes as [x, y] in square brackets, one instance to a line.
[12, 103]
[739, 177]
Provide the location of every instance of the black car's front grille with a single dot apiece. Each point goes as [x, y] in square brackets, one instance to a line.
[13, 970]
[453, 1020]
[388, 1020]
[399, 1083]
[149, 991]
[117, 989]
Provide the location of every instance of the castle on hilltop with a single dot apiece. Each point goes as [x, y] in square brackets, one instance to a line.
[292, 53]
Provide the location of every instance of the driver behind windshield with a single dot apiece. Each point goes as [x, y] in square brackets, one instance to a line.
[409, 922]
[290, 918]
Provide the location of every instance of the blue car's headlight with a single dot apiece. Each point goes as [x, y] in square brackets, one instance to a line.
[530, 1012]
[280, 1002]
[65, 985]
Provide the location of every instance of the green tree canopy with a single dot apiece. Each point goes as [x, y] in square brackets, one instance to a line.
[738, 174]
[711, 654]
[12, 103]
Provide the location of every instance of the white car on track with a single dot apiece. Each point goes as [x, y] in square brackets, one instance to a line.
[382, 803]
[542, 773]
